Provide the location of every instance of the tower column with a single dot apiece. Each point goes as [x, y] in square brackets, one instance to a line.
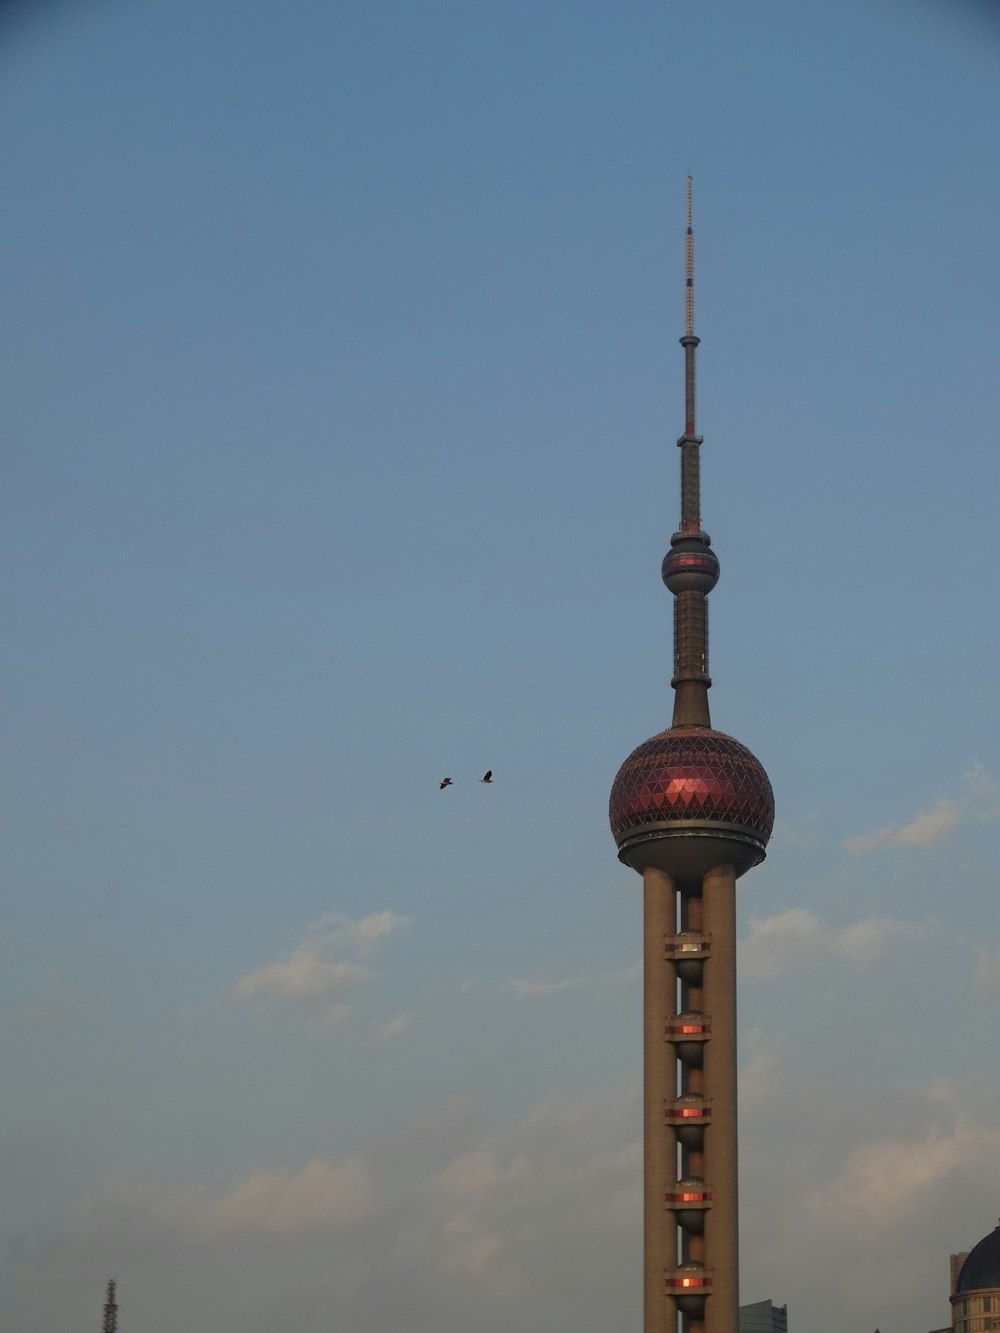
[691, 810]
[722, 1219]
[659, 1085]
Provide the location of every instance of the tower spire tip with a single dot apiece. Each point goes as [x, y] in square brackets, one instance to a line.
[689, 267]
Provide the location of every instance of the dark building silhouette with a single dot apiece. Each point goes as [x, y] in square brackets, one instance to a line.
[763, 1317]
[691, 810]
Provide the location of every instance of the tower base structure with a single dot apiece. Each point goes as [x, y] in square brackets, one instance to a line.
[691, 1259]
[691, 810]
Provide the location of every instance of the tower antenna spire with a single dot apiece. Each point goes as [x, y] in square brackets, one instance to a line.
[691, 569]
[689, 268]
[690, 480]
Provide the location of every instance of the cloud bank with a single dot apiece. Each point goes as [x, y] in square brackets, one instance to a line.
[444, 1226]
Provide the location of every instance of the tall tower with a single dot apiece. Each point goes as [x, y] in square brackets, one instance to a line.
[691, 810]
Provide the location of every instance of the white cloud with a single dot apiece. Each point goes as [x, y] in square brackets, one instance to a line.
[869, 939]
[330, 964]
[537, 1222]
[854, 1195]
[524, 1204]
[982, 792]
[759, 1077]
[438, 1226]
[323, 1194]
[797, 938]
[326, 1018]
[357, 937]
[305, 972]
[394, 1028]
[885, 1178]
[926, 830]
[979, 801]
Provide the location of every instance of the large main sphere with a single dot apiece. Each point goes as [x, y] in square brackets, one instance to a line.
[691, 799]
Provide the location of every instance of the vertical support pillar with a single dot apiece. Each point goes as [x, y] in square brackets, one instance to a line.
[692, 1080]
[659, 1086]
[722, 1219]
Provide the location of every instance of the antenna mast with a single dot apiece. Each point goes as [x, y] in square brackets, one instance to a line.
[691, 568]
[111, 1309]
[689, 268]
[689, 442]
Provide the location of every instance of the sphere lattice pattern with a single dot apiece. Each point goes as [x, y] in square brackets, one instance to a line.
[691, 773]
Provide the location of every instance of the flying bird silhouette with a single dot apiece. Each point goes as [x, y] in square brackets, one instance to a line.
[487, 776]
[446, 783]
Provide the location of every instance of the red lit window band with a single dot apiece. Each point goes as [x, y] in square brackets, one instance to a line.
[688, 1113]
[687, 1282]
[685, 1029]
[688, 1198]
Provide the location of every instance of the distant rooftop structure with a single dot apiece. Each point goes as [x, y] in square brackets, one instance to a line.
[763, 1317]
[981, 1270]
[975, 1294]
[956, 1261]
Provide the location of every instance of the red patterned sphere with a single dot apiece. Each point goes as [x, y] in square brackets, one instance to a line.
[691, 799]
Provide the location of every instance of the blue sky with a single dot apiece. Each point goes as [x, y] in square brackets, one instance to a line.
[341, 385]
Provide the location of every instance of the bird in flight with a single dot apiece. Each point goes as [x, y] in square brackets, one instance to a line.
[447, 782]
[487, 776]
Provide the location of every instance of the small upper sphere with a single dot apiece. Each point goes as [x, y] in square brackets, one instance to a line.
[690, 799]
[690, 566]
[981, 1270]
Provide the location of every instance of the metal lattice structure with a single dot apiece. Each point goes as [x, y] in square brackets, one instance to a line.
[692, 773]
[110, 1324]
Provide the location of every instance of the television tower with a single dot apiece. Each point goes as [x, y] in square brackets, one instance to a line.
[691, 810]
[110, 1324]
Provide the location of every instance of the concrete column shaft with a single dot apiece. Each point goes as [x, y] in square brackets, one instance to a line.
[659, 1081]
[719, 996]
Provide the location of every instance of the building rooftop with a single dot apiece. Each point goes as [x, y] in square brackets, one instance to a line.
[981, 1270]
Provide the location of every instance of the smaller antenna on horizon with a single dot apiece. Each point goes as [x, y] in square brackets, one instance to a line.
[111, 1309]
[689, 268]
